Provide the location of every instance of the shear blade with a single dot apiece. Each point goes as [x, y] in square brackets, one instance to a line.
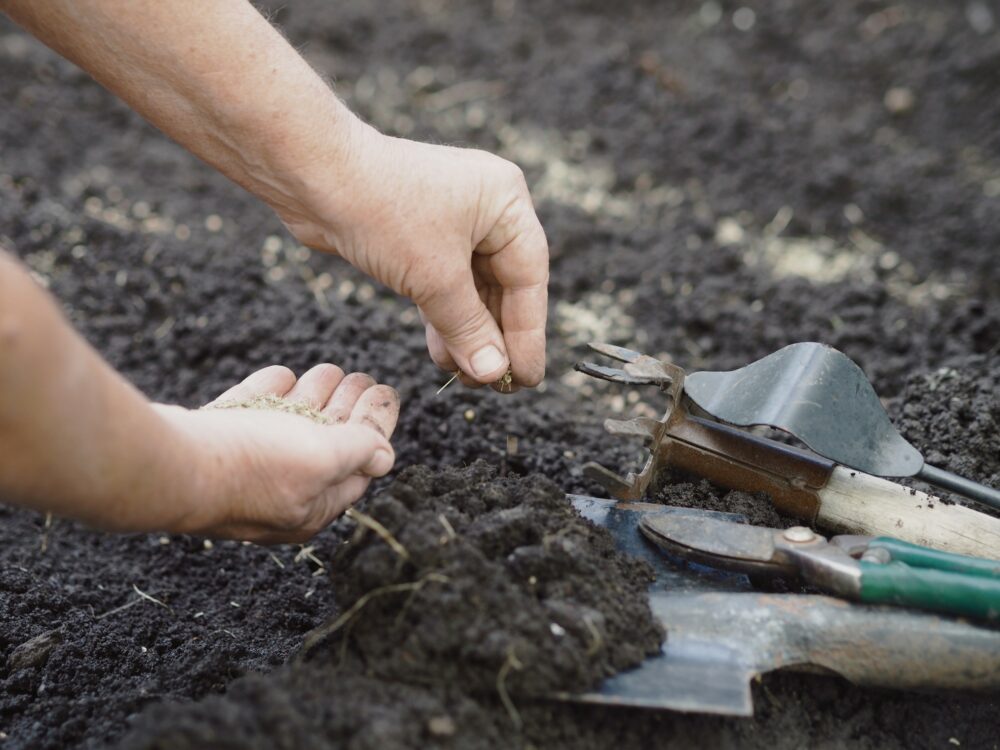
[718, 544]
[618, 353]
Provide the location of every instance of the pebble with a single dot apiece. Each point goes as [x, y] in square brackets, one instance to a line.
[441, 726]
[899, 100]
[34, 652]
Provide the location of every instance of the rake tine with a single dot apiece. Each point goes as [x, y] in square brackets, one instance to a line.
[616, 352]
[613, 374]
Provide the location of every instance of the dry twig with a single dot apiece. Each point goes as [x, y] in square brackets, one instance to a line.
[365, 520]
[512, 662]
[325, 631]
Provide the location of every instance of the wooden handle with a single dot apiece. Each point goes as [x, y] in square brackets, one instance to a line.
[856, 503]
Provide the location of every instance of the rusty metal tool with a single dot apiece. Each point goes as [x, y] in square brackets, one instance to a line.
[815, 394]
[722, 635]
[874, 570]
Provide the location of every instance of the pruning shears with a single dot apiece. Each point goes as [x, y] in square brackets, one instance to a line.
[875, 570]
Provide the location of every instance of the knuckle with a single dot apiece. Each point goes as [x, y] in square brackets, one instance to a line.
[469, 327]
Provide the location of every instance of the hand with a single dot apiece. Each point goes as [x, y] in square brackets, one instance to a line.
[454, 230]
[272, 477]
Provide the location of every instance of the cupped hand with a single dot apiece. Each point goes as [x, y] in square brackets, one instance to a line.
[455, 231]
[272, 477]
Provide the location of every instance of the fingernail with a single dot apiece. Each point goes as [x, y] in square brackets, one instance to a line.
[380, 464]
[486, 361]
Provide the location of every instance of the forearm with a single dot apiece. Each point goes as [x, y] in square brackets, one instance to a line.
[217, 78]
[75, 438]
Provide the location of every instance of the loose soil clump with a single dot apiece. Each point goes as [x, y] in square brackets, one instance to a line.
[461, 593]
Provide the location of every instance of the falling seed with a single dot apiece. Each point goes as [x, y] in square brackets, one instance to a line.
[213, 223]
[512, 445]
[470, 415]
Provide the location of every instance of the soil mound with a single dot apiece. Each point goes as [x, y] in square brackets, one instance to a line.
[460, 591]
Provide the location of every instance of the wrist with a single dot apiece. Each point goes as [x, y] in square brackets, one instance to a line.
[188, 496]
[328, 185]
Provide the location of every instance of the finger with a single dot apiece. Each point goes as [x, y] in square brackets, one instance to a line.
[516, 255]
[437, 349]
[471, 335]
[341, 403]
[357, 449]
[317, 385]
[275, 380]
[378, 408]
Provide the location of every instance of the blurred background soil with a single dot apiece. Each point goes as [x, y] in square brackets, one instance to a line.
[716, 180]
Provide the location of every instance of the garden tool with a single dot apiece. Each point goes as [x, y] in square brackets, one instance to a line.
[876, 570]
[821, 397]
[722, 635]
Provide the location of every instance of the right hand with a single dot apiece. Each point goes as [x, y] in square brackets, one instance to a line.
[454, 230]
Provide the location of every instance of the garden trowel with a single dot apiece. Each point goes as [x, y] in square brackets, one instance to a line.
[721, 635]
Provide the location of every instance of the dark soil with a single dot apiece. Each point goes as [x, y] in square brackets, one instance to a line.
[709, 193]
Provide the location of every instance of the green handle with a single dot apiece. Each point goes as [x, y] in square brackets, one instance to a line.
[938, 590]
[925, 557]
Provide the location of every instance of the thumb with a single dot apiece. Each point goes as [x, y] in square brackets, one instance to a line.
[469, 331]
[357, 449]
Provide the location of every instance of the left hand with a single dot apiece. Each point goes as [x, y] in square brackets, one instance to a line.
[271, 477]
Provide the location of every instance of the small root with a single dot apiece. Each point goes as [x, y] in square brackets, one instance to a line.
[512, 662]
[325, 631]
[596, 639]
[149, 598]
[308, 552]
[122, 608]
[365, 520]
[448, 528]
